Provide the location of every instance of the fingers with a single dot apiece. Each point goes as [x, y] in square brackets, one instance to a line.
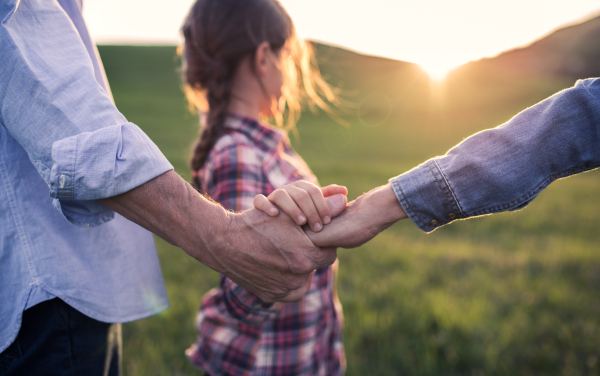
[312, 203]
[337, 204]
[329, 255]
[334, 189]
[298, 294]
[305, 202]
[263, 204]
[283, 199]
[325, 257]
[302, 201]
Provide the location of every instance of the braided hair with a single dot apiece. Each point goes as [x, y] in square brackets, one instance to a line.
[218, 35]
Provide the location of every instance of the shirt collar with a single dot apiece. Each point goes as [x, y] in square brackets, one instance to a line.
[263, 134]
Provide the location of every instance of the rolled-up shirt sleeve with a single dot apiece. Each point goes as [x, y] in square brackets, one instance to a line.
[51, 103]
[505, 168]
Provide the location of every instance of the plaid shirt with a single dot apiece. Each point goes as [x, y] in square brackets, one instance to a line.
[239, 334]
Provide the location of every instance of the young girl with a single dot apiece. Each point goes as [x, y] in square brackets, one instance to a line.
[243, 60]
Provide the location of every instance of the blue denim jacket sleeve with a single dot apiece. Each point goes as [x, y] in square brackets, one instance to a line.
[506, 167]
[51, 103]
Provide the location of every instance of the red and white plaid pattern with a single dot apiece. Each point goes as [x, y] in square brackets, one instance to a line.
[239, 334]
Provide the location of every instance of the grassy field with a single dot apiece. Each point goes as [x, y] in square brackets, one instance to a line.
[510, 294]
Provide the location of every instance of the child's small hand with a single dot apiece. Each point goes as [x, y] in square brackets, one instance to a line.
[303, 201]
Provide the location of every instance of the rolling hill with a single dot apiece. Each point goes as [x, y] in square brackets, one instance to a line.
[573, 51]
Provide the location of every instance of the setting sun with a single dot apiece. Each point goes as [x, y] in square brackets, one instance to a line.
[436, 70]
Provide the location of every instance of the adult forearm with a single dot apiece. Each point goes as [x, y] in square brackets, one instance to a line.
[272, 257]
[169, 207]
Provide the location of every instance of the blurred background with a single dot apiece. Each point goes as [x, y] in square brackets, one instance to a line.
[510, 294]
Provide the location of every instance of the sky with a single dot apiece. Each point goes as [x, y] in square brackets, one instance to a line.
[437, 34]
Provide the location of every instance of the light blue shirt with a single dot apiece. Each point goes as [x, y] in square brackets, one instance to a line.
[63, 145]
[504, 168]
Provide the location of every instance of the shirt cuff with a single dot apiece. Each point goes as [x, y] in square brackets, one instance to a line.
[426, 196]
[101, 164]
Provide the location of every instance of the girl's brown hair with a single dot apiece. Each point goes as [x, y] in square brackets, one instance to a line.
[218, 35]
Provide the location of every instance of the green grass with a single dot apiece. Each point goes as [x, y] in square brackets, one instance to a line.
[510, 294]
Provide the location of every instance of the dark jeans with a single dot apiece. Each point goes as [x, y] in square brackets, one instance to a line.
[57, 340]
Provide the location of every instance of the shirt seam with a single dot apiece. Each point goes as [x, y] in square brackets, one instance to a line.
[25, 243]
[449, 188]
[73, 174]
[17, 217]
[19, 321]
[438, 183]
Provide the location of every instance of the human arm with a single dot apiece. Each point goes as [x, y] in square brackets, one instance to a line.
[233, 176]
[268, 256]
[495, 170]
[87, 152]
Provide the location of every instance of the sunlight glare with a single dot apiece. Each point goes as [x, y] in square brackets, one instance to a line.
[436, 70]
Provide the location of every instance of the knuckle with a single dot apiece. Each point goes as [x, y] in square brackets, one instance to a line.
[304, 196]
[277, 194]
[325, 258]
[313, 189]
[300, 182]
[292, 283]
[305, 266]
[330, 258]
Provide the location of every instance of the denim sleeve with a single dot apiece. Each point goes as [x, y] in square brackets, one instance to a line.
[51, 103]
[505, 168]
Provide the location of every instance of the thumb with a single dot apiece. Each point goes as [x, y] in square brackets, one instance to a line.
[337, 204]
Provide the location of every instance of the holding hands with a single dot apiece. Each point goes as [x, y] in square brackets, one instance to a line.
[305, 203]
[358, 221]
[363, 218]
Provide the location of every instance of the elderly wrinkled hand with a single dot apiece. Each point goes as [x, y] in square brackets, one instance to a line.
[286, 274]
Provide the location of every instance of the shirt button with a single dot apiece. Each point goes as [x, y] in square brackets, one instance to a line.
[451, 216]
[433, 222]
[61, 182]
